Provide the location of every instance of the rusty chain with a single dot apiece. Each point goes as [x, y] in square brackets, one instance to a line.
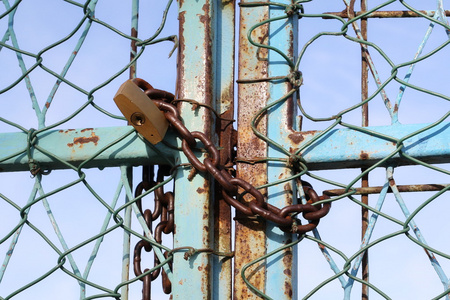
[164, 210]
[284, 218]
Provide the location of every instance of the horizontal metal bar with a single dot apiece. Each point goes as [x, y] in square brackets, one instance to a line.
[387, 14]
[75, 146]
[348, 148]
[401, 188]
[339, 148]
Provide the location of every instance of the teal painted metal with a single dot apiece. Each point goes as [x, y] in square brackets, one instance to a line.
[115, 146]
[339, 148]
[281, 269]
[127, 172]
[193, 214]
[347, 148]
[224, 93]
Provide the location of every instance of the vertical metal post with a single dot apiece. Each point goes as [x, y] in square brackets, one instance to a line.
[250, 235]
[365, 178]
[224, 93]
[192, 278]
[129, 170]
[280, 268]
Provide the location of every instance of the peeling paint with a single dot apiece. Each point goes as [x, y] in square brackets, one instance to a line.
[296, 137]
[80, 141]
[250, 235]
[288, 289]
[66, 131]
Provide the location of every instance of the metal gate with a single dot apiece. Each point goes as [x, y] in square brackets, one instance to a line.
[260, 188]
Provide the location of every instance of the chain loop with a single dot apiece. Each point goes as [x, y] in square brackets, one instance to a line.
[284, 218]
[163, 209]
[222, 176]
[209, 146]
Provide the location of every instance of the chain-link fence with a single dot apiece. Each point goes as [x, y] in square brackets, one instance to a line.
[319, 84]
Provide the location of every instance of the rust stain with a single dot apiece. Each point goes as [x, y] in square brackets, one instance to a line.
[133, 51]
[287, 262]
[181, 56]
[395, 108]
[80, 141]
[208, 55]
[288, 289]
[47, 104]
[296, 137]
[364, 155]
[66, 131]
[86, 129]
[287, 187]
[201, 190]
[250, 235]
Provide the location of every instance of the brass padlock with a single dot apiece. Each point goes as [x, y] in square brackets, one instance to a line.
[141, 112]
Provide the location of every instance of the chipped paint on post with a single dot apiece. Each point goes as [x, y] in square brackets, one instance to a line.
[193, 216]
[281, 268]
[250, 236]
[224, 95]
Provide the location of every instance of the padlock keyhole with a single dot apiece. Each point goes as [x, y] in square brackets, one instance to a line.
[137, 119]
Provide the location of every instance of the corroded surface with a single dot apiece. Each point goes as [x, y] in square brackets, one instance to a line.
[250, 236]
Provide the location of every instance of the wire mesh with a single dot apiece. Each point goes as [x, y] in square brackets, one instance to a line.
[63, 231]
[391, 62]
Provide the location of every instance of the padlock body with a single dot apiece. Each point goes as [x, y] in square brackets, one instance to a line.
[141, 112]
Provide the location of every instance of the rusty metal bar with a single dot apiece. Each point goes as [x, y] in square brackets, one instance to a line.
[401, 188]
[365, 177]
[250, 235]
[386, 14]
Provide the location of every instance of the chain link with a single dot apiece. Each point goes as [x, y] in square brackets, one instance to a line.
[284, 218]
[164, 210]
